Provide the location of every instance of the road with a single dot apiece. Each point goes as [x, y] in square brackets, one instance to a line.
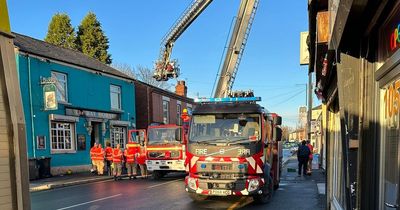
[169, 193]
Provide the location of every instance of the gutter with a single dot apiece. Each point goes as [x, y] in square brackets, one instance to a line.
[31, 107]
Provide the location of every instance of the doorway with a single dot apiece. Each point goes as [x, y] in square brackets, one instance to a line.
[95, 134]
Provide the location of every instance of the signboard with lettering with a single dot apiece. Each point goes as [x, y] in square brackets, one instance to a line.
[50, 97]
[81, 142]
[304, 53]
[41, 142]
[389, 39]
[91, 114]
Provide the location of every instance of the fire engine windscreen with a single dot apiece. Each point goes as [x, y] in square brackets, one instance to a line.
[225, 128]
[164, 136]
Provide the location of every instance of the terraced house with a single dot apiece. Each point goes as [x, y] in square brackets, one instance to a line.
[70, 102]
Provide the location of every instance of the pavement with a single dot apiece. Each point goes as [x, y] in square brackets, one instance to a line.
[294, 193]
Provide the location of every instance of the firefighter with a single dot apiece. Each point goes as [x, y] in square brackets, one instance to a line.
[117, 162]
[141, 161]
[100, 160]
[93, 158]
[130, 164]
[108, 157]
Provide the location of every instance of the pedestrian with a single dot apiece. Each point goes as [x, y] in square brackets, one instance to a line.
[117, 162]
[141, 161]
[108, 157]
[130, 164]
[100, 160]
[310, 157]
[302, 156]
[93, 158]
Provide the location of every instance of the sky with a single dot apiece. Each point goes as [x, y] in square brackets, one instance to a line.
[270, 64]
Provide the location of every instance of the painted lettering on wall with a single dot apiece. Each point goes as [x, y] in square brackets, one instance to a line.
[392, 99]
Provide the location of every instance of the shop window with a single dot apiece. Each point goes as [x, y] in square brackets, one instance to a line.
[115, 95]
[165, 112]
[61, 85]
[118, 136]
[178, 114]
[62, 136]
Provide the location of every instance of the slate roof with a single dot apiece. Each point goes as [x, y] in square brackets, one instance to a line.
[41, 48]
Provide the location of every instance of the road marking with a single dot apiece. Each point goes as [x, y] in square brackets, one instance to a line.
[235, 205]
[81, 204]
[157, 185]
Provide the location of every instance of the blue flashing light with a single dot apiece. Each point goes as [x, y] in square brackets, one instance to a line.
[236, 99]
[240, 166]
[203, 165]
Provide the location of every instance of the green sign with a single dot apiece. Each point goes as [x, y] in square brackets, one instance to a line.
[50, 97]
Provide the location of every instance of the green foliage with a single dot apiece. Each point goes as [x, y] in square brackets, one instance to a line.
[61, 32]
[91, 39]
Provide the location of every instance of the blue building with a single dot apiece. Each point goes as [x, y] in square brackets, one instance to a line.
[94, 103]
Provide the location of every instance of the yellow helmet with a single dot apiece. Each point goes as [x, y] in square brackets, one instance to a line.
[184, 111]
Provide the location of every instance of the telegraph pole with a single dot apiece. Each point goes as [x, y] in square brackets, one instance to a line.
[309, 113]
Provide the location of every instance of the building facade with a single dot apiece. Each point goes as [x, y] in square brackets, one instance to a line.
[155, 105]
[94, 103]
[357, 78]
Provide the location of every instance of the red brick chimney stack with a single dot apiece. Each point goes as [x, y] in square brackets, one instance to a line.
[181, 89]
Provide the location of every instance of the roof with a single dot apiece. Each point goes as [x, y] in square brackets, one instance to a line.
[165, 92]
[41, 48]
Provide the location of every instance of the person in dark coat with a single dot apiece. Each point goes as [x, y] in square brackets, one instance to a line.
[302, 156]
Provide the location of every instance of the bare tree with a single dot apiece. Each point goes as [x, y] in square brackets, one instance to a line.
[141, 73]
[124, 68]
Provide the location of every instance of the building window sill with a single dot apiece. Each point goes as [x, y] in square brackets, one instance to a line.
[64, 103]
[117, 110]
[62, 151]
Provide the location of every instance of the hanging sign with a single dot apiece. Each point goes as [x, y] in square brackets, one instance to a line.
[50, 97]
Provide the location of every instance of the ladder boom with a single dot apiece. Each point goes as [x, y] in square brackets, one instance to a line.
[241, 30]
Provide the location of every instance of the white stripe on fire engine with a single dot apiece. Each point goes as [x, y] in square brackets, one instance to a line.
[263, 159]
[235, 159]
[199, 191]
[259, 169]
[244, 192]
[209, 159]
[252, 162]
[193, 161]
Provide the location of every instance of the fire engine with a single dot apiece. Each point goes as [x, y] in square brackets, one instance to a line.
[233, 149]
[165, 149]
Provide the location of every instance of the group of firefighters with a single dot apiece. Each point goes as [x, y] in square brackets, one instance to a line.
[113, 159]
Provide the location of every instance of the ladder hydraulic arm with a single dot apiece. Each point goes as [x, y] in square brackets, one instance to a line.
[241, 30]
[164, 67]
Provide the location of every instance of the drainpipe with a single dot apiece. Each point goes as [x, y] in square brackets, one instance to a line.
[31, 107]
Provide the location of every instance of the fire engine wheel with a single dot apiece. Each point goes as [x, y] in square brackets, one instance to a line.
[196, 197]
[267, 192]
[158, 174]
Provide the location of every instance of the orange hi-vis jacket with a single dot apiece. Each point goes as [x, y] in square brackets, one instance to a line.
[93, 153]
[130, 155]
[109, 153]
[99, 154]
[117, 155]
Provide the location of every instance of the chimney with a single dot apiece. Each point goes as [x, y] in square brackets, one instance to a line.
[181, 89]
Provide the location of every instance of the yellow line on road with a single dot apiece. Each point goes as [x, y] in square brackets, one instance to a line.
[81, 204]
[239, 203]
[157, 185]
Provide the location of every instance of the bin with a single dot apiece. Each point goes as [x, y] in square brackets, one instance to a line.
[44, 167]
[33, 169]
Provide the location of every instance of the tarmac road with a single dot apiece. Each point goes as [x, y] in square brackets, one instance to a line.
[169, 193]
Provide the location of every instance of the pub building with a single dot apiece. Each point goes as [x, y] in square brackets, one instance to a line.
[357, 73]
[70, 102]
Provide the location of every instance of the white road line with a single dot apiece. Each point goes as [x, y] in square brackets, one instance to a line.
[81, 204]
[157, 185]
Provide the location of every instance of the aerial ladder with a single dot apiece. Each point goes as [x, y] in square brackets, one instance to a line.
[165, 68]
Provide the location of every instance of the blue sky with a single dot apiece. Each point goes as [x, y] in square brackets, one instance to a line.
[270, 65]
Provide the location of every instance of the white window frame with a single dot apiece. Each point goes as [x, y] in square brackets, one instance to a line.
[119, 92]
[165, 110]
[118, 130]
[63, 137]
[55, 75]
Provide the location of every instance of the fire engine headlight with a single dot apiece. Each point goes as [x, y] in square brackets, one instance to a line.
[192, 183]
[253, 185]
